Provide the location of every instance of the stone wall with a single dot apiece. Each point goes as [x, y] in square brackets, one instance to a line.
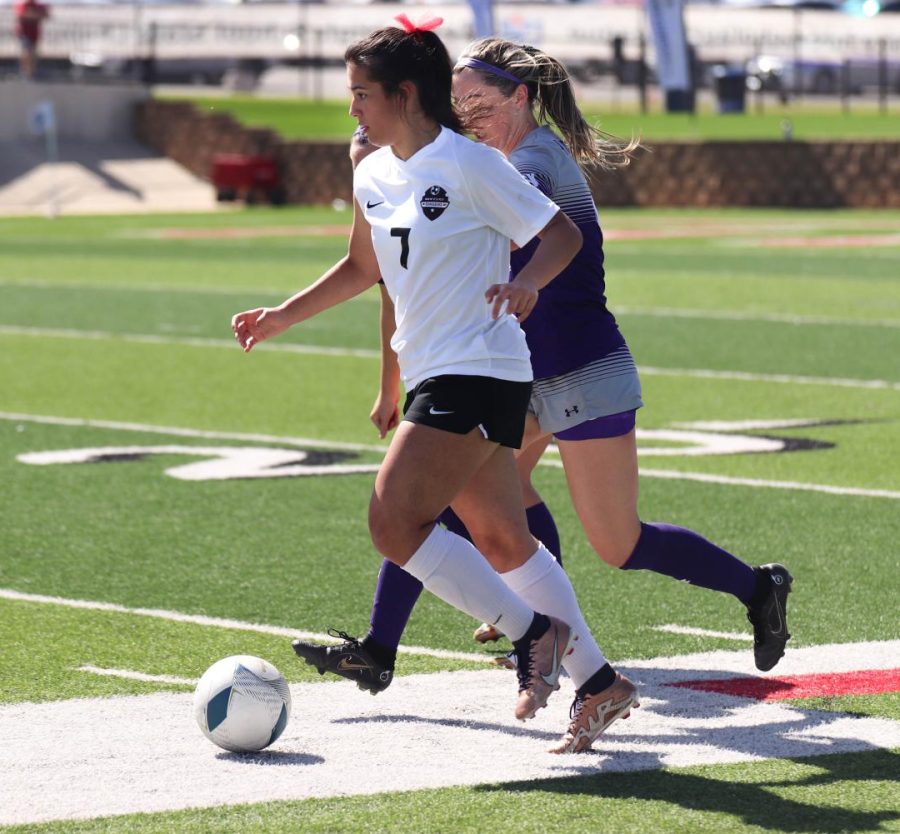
[788, 174]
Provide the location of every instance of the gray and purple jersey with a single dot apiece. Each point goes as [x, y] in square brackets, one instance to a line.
[570, 326]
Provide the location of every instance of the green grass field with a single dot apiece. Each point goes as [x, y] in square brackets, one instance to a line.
[305, 119]
[115, 333]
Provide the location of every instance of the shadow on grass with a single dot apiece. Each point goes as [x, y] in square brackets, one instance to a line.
[750, 803]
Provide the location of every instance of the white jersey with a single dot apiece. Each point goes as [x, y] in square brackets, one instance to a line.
[441, 225]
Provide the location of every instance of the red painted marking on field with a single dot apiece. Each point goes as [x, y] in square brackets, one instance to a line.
[791, 687]
[831, 242]
[253, 232]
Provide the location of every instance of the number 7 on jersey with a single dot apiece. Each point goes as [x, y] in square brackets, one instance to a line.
[403, 234]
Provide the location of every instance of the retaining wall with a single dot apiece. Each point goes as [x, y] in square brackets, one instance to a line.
[788, 174]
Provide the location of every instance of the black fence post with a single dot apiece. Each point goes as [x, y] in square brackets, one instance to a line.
[845, 86]
[642, 72]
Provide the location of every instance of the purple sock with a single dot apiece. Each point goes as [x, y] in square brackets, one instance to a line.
[540, 524]
[686, 555]
[396, 595]
[397, 591]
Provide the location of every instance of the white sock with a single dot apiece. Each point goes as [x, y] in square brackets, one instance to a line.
[454, 571]
[545, 586]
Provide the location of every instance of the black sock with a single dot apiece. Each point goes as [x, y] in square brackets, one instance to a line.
[602, 679]
[539, 624]
[384, 655]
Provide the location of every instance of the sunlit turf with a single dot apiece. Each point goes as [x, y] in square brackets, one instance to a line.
[829, 794]
[77, 298]
[296, 118]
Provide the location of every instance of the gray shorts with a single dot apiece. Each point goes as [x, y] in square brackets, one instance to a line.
[605, 386]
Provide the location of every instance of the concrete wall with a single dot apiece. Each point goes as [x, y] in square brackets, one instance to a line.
[788, 174]
[91, 113]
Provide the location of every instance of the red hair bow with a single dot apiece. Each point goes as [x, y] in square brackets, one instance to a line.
[426, 25]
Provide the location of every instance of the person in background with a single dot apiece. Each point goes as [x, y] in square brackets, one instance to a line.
[30, 14]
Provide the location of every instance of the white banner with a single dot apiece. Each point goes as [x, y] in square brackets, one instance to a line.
[670, 43]
[570, 32]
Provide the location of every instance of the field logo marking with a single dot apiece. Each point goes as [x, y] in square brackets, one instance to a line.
[547, 460]
[244, 462]
[228, 462]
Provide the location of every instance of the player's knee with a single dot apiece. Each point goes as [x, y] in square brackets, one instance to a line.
[393, 534]
[611, 550]
[382, 532]
[504, 549]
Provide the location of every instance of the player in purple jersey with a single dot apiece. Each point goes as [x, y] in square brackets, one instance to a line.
[586, 389]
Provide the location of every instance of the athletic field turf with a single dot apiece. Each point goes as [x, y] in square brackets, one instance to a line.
[168, 501]
[304, 119]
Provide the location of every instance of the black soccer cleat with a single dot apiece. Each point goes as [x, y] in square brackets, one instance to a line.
[349, 660]
[767, 613]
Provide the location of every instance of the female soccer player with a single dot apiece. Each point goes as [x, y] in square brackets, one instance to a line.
[442, 250]
[586, 389]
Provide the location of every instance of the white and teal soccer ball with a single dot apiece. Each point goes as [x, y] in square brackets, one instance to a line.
[242, 703]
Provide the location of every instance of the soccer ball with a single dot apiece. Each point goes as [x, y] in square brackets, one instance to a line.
[242, 703]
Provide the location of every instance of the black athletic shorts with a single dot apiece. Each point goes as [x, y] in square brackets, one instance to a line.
[458, 403]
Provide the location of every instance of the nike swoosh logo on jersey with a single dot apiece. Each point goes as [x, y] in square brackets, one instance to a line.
[371, 205]
[436, 412]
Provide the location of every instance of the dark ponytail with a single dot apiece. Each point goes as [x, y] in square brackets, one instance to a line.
[391, 56]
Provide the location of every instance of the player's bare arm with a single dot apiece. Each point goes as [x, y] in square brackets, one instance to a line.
[385, 412]
[560, 242]
[354, 273]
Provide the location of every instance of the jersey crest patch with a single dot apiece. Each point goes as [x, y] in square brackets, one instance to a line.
[434, 202]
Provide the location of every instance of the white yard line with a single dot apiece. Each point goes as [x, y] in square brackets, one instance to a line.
[755, 483]
[187, 341]
[175, 431]
[93, 757]
[671, 628]
[127, 674]
[623, 309]
[729, 315]
[219, 622]
[665, 474]
[784, 379]
[314, 350]
[703, 477]
[180, 288]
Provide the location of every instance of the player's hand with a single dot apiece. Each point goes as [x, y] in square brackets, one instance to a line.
[385, 415]
[516, 298]
[254, 326]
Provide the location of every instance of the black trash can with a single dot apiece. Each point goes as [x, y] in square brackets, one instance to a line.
[730, 84]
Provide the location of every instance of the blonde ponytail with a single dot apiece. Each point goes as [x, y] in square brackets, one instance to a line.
[550, 92]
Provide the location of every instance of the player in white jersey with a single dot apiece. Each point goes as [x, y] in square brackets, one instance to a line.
[443, 253]
[586, 386]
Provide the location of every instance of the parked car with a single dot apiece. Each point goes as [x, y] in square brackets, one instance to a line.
[242, 73]
[785, 75]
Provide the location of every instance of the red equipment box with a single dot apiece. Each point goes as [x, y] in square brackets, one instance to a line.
[246, 176]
